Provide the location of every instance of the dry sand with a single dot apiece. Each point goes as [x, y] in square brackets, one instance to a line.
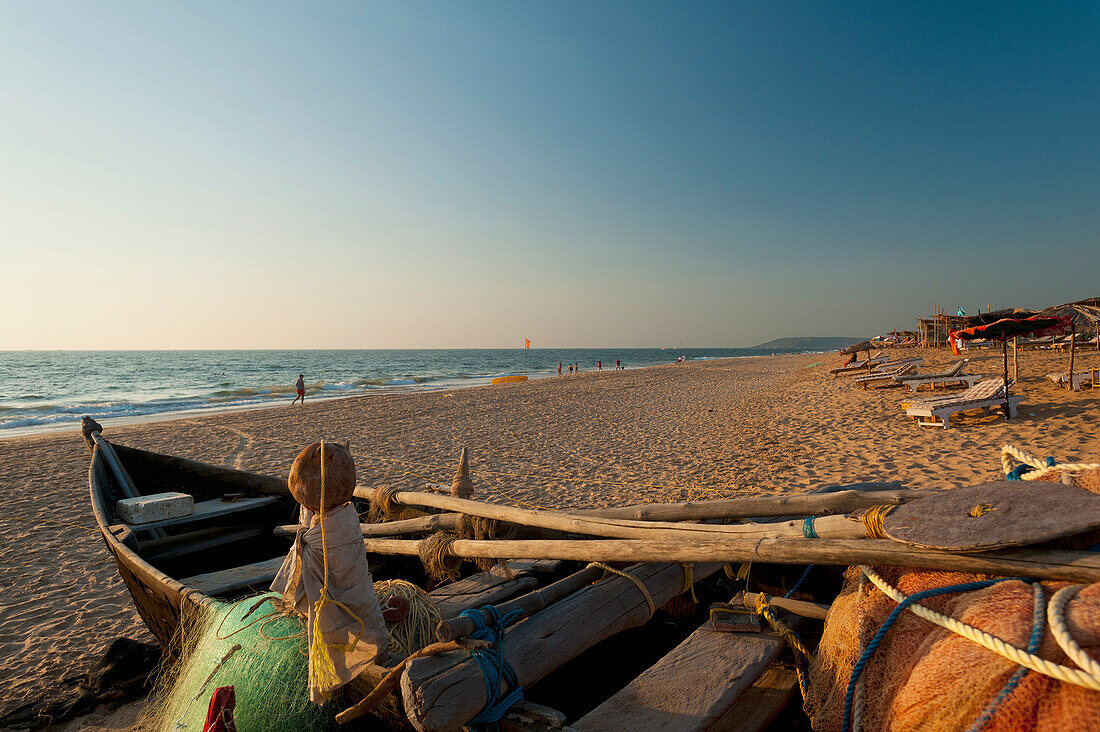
[688, 431]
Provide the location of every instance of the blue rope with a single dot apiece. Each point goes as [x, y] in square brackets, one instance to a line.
[494, 666]
[1018, 472]
[801, 580]
[857, 670]
[1038, 624]
[808, 528]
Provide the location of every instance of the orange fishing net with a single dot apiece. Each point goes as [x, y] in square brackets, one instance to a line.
[924, 677]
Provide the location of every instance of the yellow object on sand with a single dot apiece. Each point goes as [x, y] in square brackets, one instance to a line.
[509, 379]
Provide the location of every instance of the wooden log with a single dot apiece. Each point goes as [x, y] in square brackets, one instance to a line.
[1038, 563]
[837, 527]
[445, 692]
[484, 588]
[809, 504]
[691, 688]
[460, 627]
[1072, 342]
[801, 608]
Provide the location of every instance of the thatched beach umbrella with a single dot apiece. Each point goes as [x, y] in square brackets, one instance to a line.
[1005, 328]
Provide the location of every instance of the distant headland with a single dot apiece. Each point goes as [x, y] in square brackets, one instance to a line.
[808, 343]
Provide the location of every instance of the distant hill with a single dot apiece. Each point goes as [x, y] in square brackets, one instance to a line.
[808, 343]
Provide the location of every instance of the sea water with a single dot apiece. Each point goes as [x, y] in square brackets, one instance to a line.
[46, 390]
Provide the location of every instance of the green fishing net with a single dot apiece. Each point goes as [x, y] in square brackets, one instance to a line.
[269, 672]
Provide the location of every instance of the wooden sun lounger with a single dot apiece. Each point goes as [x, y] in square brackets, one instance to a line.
[858, 365]
[951, 376]
[1080, 379]
[696, 685]
[886, 375]
[936, 412]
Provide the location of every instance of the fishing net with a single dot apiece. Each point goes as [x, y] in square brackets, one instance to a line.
[924, 677]
[269, 671]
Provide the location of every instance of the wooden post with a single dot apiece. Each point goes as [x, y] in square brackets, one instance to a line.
[1015, 359]
[1072, 340]
[1051, 564]
[1004, 349]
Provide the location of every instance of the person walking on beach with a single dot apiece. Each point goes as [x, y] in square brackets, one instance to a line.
[300, 387]
[570, 369]
[617, 366]
[599, 365]
[559, 368]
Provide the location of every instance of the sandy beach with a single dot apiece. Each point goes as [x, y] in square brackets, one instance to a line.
[683, 431]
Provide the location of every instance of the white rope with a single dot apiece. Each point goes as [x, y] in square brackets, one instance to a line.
[1008, 452]
[1057, 623]
[991, 642]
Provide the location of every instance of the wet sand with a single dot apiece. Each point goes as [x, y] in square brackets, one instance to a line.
[682, 431]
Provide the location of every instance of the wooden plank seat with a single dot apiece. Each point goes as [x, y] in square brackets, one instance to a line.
[256, 576]
[917, 382]
[1089, 377]
[486, 588]
[216, 508]
[691, 688]
[191, 542]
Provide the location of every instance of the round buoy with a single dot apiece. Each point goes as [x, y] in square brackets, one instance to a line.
[394, 609]
[305, 476]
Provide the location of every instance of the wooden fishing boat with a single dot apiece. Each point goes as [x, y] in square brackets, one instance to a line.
[674, 672]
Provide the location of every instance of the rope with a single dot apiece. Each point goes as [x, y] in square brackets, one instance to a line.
[801, 580]
[990, 642]
[808, 528]
[382, 506]
[641, 585]
[1031, 468]
[439, 561]
[689, 580]
[321, 666]
[801, 653]
[903, 603]
[417, 629]
[1061, 634]
[872, 521]
[1032, 646]
[494, 666]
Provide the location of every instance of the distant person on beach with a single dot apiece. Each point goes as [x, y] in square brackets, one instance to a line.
[617, 366]
[599, 365]
[570, 369]
[559, 368]
[300, 387]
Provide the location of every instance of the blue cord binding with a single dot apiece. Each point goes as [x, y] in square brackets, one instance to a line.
[808, 529]
[494, 666]
[857, 670]
[800, 582]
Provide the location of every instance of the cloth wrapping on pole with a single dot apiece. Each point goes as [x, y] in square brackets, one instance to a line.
[352, 645]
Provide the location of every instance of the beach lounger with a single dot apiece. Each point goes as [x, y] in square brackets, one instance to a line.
[886, 374]
[950, 376]
[1090, 377]
[937, 411]
[858, 365]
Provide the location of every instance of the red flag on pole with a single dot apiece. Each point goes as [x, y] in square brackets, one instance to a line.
[526, 342]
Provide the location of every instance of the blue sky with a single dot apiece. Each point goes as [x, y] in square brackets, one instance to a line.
[582, 174]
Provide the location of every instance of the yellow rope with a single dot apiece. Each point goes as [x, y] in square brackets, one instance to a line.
[320, 654]
[689, 580]
[417, 628]
[641, 585]
[981, 509]
[784, 631]
[872, 521]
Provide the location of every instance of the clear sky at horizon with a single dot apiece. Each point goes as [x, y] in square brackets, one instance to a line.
[361, 175]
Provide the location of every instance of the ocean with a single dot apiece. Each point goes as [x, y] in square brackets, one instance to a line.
[49, 390]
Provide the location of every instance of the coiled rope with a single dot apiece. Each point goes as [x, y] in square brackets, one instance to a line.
[872, 521]
[494, 666]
